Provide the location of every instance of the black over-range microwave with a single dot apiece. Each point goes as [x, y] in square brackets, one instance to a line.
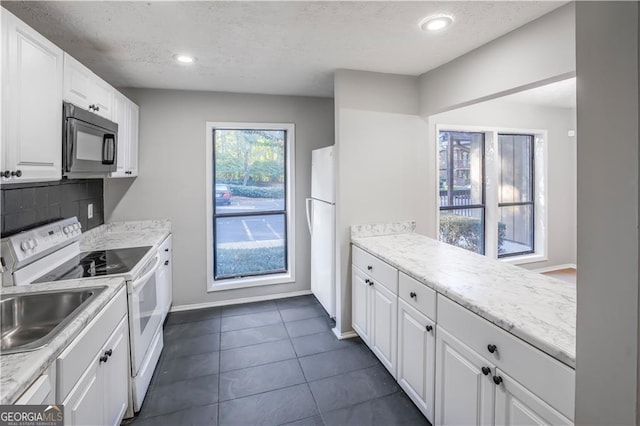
[89, 143]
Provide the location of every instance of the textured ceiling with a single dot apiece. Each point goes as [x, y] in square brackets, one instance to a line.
[289, 48]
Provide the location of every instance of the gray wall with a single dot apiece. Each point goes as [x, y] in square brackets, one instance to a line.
[561, 166]
[537, 52]
[381, 151]
[171, 183]
[607, 327]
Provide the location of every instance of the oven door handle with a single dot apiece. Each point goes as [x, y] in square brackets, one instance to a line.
[143, 279]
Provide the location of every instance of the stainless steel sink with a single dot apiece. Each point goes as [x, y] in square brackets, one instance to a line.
[31, 320]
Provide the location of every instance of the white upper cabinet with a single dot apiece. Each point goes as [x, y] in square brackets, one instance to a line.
[126, 114]
[86, 90]
[32, 69]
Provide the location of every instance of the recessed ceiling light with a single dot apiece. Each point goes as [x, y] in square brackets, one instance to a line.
[435, 22]
[184, 59]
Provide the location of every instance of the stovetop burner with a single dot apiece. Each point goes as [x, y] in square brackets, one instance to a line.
[96, 264]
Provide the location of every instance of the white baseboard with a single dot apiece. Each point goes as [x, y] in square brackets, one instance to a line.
[345, 335]
[554, 268]
[180, 308]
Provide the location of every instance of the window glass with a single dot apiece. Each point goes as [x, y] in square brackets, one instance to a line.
[515, 195]
[461, 170]
[250, 213]
[461, 187]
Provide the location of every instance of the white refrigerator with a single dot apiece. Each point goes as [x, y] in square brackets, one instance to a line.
[321, 218]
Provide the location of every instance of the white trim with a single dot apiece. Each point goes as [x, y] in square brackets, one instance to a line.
[181, 308]
[524, 259]
[284, 278]
[541, 215]
[346, 335]
[555, 268]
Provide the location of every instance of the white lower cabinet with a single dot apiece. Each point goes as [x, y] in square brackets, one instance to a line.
[459, 369]
[464, 393]
[416, 357]
[100, 397]
[84, 404]
[375, 316]
[384, 320]
[116, 375]
[360, 307]
[515, 405]
[471, 390]
[93, 371]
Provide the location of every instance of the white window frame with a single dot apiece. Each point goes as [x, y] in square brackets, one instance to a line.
[253, 281]
[491, 189]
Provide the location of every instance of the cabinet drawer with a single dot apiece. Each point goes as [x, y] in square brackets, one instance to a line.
[77, 357]
[380, 271]
[546, 377]
[424, 299]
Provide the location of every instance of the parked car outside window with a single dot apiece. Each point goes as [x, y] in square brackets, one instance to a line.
[223, 195]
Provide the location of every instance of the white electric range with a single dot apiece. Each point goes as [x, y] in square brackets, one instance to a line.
[52, 253]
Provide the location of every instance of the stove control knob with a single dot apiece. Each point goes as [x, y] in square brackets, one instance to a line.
[66, 230]
[24, 245]
[32, 244]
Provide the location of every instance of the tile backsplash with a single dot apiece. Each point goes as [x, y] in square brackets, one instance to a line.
[31, 204]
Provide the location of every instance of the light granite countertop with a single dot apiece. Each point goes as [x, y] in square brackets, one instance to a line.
[538, 309]
[18, 371]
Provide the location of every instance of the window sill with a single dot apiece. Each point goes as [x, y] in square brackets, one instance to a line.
[527, 258]
[232, 284]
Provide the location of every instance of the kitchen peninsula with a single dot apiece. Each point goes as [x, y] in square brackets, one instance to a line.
[478, 314]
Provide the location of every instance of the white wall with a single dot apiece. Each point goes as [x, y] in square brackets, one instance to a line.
[381, 149]
[542, 50]
[171, 183]
[561, 170]
[607, 328]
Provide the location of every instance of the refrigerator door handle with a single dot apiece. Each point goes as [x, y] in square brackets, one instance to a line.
[308, 202]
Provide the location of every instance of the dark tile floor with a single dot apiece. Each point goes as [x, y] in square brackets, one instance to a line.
[269, 363]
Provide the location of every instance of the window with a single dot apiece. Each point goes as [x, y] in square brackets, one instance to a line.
[249, 195]
[462, 208]
[491, 192]
[515, 195]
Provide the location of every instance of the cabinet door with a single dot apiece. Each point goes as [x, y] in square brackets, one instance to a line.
[116, 375]
[384, 321]
[416, 357]
[121, 116]
[31, 103]
[132, 157]
[515, 405]
[360, 304]
[102, 97]
[77, 82]
[85, 403]
[464, 395]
